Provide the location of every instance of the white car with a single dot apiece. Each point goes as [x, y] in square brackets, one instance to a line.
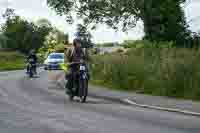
[53, 60]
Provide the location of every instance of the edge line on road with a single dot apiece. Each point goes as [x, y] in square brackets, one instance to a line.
[162, 108]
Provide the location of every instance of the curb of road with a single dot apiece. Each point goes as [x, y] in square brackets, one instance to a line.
[132, 103]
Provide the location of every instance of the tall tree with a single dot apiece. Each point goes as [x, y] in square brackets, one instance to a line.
[21, 34]
[163, 19]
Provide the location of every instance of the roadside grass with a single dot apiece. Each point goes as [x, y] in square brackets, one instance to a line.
[11, 60]
[171, 72]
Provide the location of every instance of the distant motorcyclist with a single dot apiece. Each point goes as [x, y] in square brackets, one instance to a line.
[32, 56]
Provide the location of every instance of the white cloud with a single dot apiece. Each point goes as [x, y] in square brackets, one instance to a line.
[44, 3]
[193, 15]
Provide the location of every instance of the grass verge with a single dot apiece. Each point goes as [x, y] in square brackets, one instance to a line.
[11, 60]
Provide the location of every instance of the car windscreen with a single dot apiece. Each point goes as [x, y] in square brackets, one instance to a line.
[56, 56]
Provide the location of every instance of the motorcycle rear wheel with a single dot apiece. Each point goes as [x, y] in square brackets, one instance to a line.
[30, 73]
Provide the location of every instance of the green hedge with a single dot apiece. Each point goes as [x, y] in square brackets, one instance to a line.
[146, 44]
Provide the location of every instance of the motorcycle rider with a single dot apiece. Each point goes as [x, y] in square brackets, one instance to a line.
[32, 55]
[72, 55]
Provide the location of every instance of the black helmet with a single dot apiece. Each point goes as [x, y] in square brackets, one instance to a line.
[32, 52]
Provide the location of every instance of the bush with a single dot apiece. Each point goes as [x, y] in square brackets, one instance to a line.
[60, 48]
[120, 50]
[164, 71]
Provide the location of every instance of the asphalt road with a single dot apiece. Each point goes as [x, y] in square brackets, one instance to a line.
[39, 106]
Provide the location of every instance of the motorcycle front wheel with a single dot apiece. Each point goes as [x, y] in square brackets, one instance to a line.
[83, 90]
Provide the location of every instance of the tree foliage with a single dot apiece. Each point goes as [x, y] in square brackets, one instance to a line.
[44, 23]
[54, 41]
[163, 19]
[22, 35]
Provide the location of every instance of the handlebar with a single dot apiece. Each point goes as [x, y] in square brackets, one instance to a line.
[75, 63]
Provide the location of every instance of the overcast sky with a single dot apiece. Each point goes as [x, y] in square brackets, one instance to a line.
[36, 9]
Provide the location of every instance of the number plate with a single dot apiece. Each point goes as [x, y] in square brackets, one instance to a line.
[84, 76]
[82, 68]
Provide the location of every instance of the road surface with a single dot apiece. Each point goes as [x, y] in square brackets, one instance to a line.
[39, 106]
